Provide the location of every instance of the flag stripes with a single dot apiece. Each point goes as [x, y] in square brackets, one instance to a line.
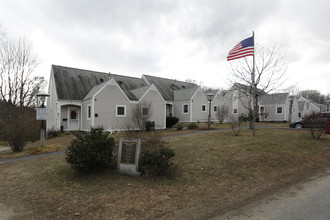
[242, 49]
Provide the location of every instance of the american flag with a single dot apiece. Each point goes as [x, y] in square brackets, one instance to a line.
[242, 49]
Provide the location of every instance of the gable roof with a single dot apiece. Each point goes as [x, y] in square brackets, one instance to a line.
[75, 84]
[245, 89]
[301, 105]
[166, 87]
[273, 99]
[79, 84]
[94, 90]
[184, 94]
[139, 92]
[127, 84]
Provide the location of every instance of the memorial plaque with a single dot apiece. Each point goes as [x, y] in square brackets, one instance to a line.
[128, 153]
[128, 156]
[41, 113]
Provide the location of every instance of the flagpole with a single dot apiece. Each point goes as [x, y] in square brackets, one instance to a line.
[254, 90]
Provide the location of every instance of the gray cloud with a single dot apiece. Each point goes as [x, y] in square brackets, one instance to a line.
[143, 36]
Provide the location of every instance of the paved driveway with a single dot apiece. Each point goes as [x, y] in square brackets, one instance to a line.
[310, 200]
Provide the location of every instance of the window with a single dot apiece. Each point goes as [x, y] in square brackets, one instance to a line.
[279, 110]
[235, 110]
[89, 112]
[185, 108]
[73, 114]
[145, 110]
[215, 108]
[121, 111]
[203, 108]
[299, 114]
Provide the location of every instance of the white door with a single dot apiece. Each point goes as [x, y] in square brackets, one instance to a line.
[73, 116]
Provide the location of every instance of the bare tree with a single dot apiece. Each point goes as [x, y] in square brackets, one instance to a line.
[17, 63]
[270, 68]
[141, 114]
[313, 95]
[18, 125]
[235, 124]
[222, 113]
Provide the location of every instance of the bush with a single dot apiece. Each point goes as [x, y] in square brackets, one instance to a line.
[18, 125]
[179, 126]
[244, 118]
[91, 152]
[192, 125]
[52, 133]
[170, 121]
[317, 123]
[156, 161]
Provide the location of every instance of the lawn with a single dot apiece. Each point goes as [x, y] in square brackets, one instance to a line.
[215, 172]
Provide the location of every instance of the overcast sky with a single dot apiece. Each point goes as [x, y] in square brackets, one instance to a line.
[177, 39]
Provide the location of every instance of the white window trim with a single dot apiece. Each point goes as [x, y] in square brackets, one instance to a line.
[185, 113]
[121, 116]
[215, 107]
[89, 110]
[234, 111]
[282, 110]
[205, 108]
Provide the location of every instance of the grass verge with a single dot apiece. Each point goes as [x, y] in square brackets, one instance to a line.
[215, 172]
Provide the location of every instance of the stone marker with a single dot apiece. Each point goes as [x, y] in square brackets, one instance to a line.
[128, 156]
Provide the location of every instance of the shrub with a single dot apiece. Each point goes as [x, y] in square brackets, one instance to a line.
[18, 125]
[170, 121]
[192, 125]
[316, 122]
[91, 152]
[156, 161]
[244, 118]
[52, 133]
[179, 126]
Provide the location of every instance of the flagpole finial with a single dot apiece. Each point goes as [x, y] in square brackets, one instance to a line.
[252, 33]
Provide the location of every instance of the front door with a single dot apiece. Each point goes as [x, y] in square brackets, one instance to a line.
[73, 116]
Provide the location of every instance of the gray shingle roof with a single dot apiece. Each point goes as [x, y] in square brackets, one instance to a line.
[138, 93]
[184, 94]
[75, 84]
[78, 84]
[273, 99]
[94, 90]
[127, 84]
[166, 87]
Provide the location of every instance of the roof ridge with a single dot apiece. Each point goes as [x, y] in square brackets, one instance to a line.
[68, 67]
[111, 74]
[170, 79]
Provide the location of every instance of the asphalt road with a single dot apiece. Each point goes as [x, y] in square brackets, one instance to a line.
[310, 200]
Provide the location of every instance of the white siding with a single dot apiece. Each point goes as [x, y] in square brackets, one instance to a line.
[178, 111]
[86, 123]
[157, 108]
[105, 109]
[198, 100]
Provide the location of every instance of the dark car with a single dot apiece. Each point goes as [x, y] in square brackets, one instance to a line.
[319, 119]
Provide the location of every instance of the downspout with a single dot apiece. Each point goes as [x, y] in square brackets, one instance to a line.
[92, 112]
[191, 101]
